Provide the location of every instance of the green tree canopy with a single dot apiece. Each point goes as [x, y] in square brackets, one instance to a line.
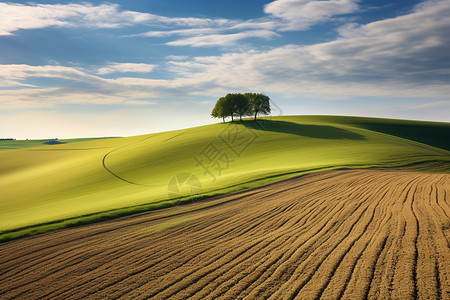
[259, 103]
[239, 105]
[220, 109]
[236, 104]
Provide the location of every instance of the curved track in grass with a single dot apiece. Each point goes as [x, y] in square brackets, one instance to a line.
[343, 234]
[108, 169]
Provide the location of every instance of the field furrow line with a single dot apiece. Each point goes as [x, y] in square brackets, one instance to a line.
[282, 270]
[316, 286]
[426, 280]
[279, 275]
[291, 240]
[353, 272]
[284, 238]
[380, 276]
[404, 279]
[395, 239]
[306, 270]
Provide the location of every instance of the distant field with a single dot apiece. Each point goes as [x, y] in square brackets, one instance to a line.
[19, 144]
[81, 182]
[339, 234]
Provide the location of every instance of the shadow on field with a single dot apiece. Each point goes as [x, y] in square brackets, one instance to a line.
[437, 135]
[313, 131]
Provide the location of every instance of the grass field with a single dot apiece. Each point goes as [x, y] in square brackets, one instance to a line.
[19, 144]
[82, 182]
[337, 234]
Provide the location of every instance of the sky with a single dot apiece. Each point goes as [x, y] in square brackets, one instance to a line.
[122, 68]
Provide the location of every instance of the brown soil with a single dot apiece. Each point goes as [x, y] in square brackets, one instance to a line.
[350, 234]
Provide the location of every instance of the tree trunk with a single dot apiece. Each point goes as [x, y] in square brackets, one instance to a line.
[255, 114]
[232, 118]
[240, 118]
[223, 119]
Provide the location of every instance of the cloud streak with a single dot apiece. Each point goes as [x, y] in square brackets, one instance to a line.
[223, 39]
[126, 68]
[90, 88]
[14, 17]
[302, 14]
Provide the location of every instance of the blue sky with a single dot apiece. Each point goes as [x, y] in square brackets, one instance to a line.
[94, 68]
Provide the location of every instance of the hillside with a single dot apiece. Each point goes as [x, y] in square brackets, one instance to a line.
[61, 182]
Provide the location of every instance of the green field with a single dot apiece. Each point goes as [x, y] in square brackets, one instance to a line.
[67, 184]
[19, 144]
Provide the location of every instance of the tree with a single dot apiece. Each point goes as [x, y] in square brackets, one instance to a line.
[258, 103]
[219, 110]
[238, 104]
[241, 105]
[228, 105]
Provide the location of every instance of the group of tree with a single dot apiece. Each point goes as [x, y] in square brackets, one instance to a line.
[248, 104]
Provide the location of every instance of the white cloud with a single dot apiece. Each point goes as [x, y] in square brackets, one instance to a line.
[177, 57]
[90, 89]
[140, 102]
[260, 24]
[14, 17]
[18, 72]
[189, 31]
[438, 104]
[18, 16]
[222, 39]
[126, 67]
[301, 14]
[51, 97]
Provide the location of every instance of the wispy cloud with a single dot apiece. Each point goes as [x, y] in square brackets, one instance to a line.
[16, 73]
[15, 17]
[90, 88]
[180, 32]
[33, 16]
[126, 68]
[177, 57]
[302, 14]
[434, 104]
[222, 39]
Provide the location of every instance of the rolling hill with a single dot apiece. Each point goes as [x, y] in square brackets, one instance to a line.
[61, 185]
[8, 144]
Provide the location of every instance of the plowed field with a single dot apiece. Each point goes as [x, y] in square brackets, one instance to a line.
[343, 234]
